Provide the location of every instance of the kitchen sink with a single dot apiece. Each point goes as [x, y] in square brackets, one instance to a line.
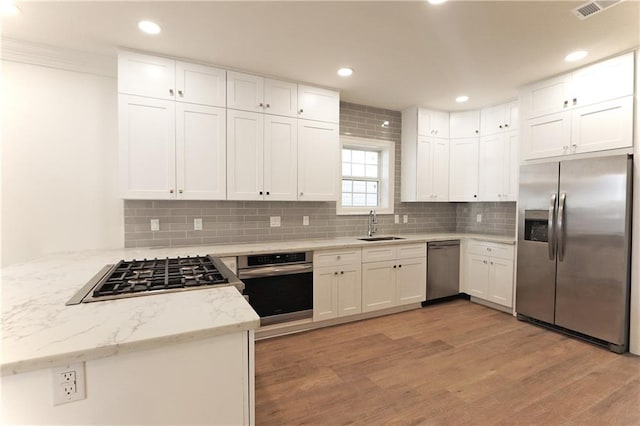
[381, 238]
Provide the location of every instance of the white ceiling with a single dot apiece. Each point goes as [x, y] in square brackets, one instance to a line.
[403, 53]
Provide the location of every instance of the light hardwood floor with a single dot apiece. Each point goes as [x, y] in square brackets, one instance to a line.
[452, 363]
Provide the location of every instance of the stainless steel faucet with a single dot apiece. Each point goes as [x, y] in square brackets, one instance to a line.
[373, 220]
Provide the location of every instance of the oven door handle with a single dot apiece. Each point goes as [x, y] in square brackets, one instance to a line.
[274, 271]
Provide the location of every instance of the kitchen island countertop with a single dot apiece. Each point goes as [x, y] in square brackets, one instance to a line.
[40, 331]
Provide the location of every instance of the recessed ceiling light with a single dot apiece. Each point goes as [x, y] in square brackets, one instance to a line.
[8, 8]
[575, 56]
[463, 98]
[149, 27]
[345, 72]
[437, 1]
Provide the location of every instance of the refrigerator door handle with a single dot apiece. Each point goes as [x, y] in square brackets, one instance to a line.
[551, 227]
[563, 198]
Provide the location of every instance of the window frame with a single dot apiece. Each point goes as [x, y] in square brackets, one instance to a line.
[386, 179]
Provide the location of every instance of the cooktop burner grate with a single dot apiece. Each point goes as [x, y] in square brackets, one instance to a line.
[137, 276]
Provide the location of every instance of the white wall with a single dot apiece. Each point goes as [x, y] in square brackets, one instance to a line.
[59, 162]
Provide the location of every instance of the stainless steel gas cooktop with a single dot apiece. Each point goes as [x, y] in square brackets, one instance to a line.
[151, 276]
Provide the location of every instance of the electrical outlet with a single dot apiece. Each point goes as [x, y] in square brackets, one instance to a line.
[305, 220]
[68, 383]
[197, 224]
[405, 218]
[479, 218]
[274, 221]
[155, 224]
[396, 218]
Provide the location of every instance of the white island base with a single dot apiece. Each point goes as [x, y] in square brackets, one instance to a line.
[205, 381]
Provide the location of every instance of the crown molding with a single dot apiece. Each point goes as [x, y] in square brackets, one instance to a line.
[57, 57]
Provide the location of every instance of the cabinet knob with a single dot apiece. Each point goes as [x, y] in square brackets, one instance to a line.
[394, 266]
[574, 146]
[491, 263]
[261, 105]
[180, 191]
[484, 261]
[341, 272]
[268, 106]
[300, 111]
[260, 192]
[180, 93]
[335, 273]
[500, 126]
[399, 266]
[477, 131]
[488, 248]
[267, 192]
[506, 125]
[302, 193]
[566, 147]
[575, 101]
[566, 103]
[171, 191]
[171, 92]
[339, 257]
[475, 195]
[499, 195]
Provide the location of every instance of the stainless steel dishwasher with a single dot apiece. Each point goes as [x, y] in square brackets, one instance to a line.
[443, 269]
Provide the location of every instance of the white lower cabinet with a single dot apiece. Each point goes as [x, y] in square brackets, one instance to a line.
[488, 272]
[398, 277]
[337, 288]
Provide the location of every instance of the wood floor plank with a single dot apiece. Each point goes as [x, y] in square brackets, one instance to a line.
[453, 363]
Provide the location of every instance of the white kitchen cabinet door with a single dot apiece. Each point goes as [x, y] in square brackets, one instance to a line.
[411, 280]
[603, 81]
[201, 152]
[318, 104]
[325, 293]
[349, 290]
[378, 285]
[463, 176]
[424, 169]
[465, 124]
[606, 125]
[546, 97]
[547, 136]
[477, 276]
[499, 119]
[245, 153]
[280, 158]
[512, 169]
[147, 148]
[245, 92]
[318, 158]
[512, 116]
[146, 75]
[200, 84]
[433, 123]
[280, 98]
[500, 281]
[440, 170]
[494, 157]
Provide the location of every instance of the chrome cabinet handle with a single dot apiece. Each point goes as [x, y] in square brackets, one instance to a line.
[560, 221]
[551, 227]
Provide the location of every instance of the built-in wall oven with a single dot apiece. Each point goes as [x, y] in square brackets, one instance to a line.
[279, 286]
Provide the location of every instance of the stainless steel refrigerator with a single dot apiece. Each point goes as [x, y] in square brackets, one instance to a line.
[574, 245]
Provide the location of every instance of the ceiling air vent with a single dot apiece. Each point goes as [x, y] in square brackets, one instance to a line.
[587, 10]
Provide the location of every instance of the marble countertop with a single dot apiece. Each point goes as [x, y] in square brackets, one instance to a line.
[40, 331]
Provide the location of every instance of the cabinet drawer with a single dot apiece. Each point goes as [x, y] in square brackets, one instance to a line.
[376, 254]
[502, 251]
[337, 257]
[407, 251]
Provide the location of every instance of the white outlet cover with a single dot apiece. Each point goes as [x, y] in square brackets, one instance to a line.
[155, 224]
[405, 218]
[274, 221]
[305, 220]
[479, 218]
[65, 388]
[396, 218]
[197, 224]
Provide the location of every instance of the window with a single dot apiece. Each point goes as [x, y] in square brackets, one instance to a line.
[367, 176]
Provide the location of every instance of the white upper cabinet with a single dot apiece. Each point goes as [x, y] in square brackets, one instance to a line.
[280, 98]
[249, 92]
[425, 159]
[245, 92]
[318, 161]
[318, 104]
[280, 158]
[162, 78]
[463, 176]
[245, 155]
[147, 148]
[200, 84]
[498, 167]
[200, 152]
[433, 123]
[464, 124]
[499, 119]
[588, 110]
